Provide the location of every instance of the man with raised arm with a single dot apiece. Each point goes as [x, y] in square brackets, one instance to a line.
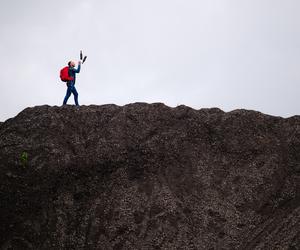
[71, 83]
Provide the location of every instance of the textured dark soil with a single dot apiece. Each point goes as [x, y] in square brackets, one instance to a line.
[147, 176]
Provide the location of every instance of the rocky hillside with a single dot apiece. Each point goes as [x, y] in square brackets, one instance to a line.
[147, 176]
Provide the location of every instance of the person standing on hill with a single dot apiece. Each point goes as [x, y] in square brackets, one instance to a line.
[71, 83]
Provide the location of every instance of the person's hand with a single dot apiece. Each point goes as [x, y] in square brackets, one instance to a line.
[79, 62]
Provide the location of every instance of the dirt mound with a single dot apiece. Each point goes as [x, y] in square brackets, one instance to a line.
[147, 176]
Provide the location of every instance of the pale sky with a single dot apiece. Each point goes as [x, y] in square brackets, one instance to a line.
[229, 54]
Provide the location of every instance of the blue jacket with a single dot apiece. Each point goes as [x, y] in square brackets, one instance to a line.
[72, 73]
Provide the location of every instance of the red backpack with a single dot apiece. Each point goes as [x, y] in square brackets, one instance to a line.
[64, 74]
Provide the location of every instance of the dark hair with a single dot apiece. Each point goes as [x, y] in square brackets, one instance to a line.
[69, 63]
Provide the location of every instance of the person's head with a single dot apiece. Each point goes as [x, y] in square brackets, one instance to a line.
[71, 64]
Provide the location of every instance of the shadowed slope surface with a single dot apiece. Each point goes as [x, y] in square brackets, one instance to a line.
[147, 176]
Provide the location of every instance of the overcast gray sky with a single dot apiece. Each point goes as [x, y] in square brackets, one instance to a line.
[202, 53]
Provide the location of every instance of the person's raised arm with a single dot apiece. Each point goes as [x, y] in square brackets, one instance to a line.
[78, 68]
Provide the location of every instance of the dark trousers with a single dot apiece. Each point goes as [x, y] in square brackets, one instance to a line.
[71, 90]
